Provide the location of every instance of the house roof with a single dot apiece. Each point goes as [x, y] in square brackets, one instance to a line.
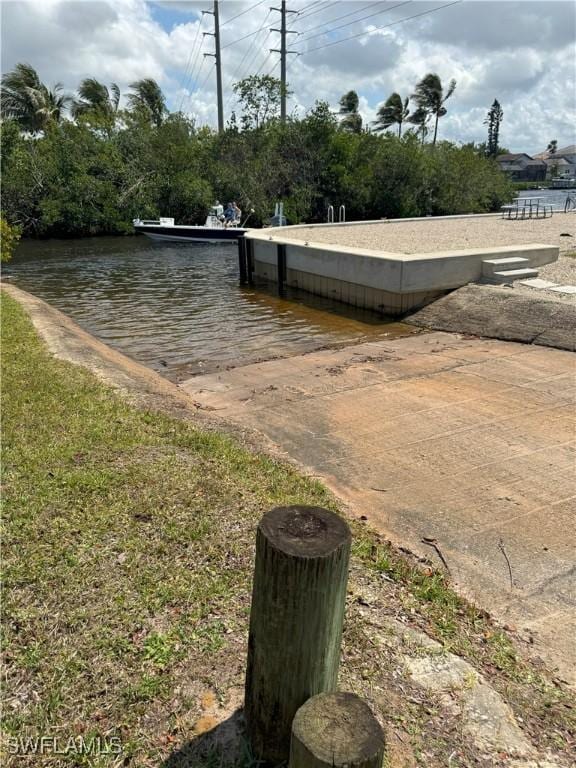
[558, 160]
[511, 157]
[569, 150]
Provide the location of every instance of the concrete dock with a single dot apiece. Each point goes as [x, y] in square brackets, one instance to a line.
[398, 265]
[466, 441]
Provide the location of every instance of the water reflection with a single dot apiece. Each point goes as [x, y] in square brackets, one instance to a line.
[179, 308]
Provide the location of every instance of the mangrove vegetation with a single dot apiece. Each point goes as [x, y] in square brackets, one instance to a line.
[84, 164]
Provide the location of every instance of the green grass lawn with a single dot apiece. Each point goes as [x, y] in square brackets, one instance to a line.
[127, 549]
[127, 558]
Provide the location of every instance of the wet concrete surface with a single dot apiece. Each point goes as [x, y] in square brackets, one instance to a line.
[466, 441]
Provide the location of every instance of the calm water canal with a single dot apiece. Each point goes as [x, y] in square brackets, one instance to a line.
[179, 308]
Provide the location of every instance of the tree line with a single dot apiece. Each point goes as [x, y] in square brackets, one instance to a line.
[82, 165]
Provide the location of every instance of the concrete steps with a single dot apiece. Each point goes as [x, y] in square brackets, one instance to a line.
[506, 270]
[507, 275]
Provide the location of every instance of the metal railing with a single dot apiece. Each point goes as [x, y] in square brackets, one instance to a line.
[341, 214]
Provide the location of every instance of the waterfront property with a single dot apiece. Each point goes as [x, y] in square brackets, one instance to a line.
[394, 266]
[521, 167]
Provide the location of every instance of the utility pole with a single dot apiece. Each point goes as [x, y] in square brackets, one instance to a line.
[218, 59]
[283, 52]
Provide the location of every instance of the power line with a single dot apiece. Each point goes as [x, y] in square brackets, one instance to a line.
[250, 34]
[198, 86]
[356, 21]
[300, 10]
[193, 74]
[242, 13]
[305, 15]
[247, 52]
[203, 83]
[351, 13]
[274, 67]
[185, 75]
[384, 26]
[261, 67]
[256, 52]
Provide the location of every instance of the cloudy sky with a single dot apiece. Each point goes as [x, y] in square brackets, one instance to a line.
[522, 53]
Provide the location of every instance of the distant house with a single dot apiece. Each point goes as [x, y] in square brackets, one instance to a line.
[560, 168]
[562, 164]
[522, 167]
[568, 152]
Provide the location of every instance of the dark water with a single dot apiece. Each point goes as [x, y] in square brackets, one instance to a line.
[179, 308]
[555, 197]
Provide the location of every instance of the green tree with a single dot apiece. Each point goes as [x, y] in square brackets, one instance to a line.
[9, 237]
[351, 120]
[430, 96]
[493, 119]
[96, 102]
[393, 112]
[29, 102]
[147, 101]
[259, 97]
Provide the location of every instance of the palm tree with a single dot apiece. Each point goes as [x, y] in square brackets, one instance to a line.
[430, 96]
[52, 104]
[351, 118]
[29, 102]
[394, 110]
[420, 118]
[552, 147]
[96, 99]
[147, 99]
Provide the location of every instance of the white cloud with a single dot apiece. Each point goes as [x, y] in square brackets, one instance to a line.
[519, 52]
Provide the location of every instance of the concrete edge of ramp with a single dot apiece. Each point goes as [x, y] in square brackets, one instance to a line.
[502, 313]
[140, 385]
[68, 341]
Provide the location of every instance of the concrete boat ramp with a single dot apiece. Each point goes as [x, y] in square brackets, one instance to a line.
[464, 441]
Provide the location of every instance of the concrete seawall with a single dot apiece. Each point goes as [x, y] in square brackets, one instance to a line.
[391, 282]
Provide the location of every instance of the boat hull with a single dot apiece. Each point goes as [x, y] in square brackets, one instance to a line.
[182, 233]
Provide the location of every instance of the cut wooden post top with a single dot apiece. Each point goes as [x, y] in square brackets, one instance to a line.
[335, 730]
[301, 531]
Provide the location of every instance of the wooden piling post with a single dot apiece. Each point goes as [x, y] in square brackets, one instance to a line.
[336, 730]
[250, 260]
[296, 620]
[242, 260]
[281, 267]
